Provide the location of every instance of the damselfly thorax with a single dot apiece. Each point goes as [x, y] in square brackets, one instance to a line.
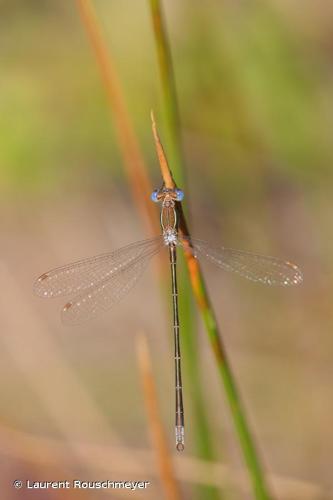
[169, 222]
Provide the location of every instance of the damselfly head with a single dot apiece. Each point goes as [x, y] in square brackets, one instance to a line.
[166, 194]
[154, 196]
[179, 194]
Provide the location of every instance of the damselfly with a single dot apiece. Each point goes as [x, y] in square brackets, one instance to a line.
[98, 282]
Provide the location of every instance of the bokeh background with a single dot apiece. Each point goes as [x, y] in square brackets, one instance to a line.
[255, 88]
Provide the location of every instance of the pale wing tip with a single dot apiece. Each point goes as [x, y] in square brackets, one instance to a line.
[297, 277]
[285, 279]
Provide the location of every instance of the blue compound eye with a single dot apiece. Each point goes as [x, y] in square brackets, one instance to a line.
[154, 195]
[179, 194]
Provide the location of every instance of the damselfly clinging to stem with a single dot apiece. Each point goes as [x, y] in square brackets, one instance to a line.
[97, 283]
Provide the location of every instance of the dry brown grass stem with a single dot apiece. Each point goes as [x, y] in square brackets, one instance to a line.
[165, 170]
[169, 182]
[114, 460]
[261, 489]
[164, 461]
[130, 150]
[37, 356]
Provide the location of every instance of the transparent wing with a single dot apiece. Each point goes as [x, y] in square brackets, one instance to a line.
[106, 292]
[101, 280]
[78, 276]
[267, 270]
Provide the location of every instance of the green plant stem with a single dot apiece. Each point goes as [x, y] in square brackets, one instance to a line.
[246, 440]
[133, 160]
[170, 101]
[189, 344]
[252, 461]
[244, 435]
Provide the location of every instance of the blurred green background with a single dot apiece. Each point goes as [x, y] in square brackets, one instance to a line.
[255, 87]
